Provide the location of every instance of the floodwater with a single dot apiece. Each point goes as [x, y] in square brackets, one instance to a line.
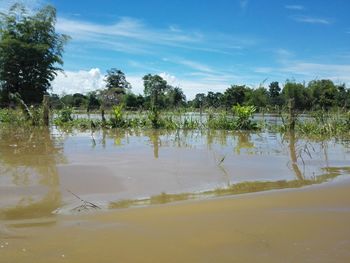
[154, 196]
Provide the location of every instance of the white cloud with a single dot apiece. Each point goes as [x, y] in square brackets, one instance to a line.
[132, 35]
[127, 33]
[169, 78]
[295, 7]
[81, 81]
[312, 20]
[84, 81]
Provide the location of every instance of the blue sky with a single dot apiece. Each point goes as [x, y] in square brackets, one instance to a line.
[202, 45]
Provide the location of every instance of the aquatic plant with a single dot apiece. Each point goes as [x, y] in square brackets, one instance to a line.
[117, 119]
[64, 116]
[243, 116]
[221, 121]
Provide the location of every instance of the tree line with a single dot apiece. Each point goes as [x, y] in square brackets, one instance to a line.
[316, 95]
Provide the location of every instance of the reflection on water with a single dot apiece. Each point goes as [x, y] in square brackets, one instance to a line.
[29, 180]
[122, 168]
[293, 156]
[234, 189]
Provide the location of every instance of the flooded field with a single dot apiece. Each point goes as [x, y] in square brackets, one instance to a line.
[56, 185]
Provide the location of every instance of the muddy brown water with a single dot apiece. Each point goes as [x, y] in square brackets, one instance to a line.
[195, 196]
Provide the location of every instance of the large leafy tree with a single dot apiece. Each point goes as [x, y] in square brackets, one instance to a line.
[115, 79]
[236, 95]
[259, 97]
[275, 94]
[154, 87]
[116, 88]
[176, 97]
[30, 52]
[324, 93]
[199, 100]
[299, 93]
[213, 99]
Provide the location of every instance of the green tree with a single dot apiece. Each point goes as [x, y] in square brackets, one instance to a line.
[323, 93]
[92, 101]
[154, 87]
[79, 100]
[55, 102]
[275, 97]
[176, 96]
[342, 96]
[213, 99]
[67, 100]
[115, 79]
[259, 98]
[236, 95]
[199, 100]
[116, 88]
[133, 101]
[30, 52]
[297, 92]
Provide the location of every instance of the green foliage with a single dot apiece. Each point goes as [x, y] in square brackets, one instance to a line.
[79, 100]
[190, 124]
[93, 102]
[243, 116]
[299, 93]
[325, 124]
[117, 120]
[275, 96]
[222, 122]
[37, 116]
[55, 102]
[154, 118]
[199, 100]
[115, 79]
[236, 94]
[323, 93]
[10, 116]
[154, 87]
[20, 118]
[133, 102]
[64, 116]
[176, 97]
[259, 98]
[30, 52]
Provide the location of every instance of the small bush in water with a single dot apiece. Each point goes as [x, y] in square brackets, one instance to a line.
[117, 120]
[64, 116]
[243, 116]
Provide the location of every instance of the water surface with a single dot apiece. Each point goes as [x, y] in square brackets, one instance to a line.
[45, 171]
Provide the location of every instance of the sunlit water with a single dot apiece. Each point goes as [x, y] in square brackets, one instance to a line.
[44, 171]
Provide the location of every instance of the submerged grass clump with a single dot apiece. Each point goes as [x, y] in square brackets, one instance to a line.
[315, 125]
[20, 118]
[163, 120]
[241, 119]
